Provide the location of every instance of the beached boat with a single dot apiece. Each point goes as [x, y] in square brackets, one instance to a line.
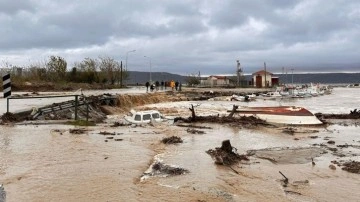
[288, 115]
[244, 98]
[144, 117]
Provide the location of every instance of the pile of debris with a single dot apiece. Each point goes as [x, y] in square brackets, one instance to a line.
[354, 114]
[9, 117]
[241, 121]
[226, 154]
[350, 166]
[238, 121]
[172, 140]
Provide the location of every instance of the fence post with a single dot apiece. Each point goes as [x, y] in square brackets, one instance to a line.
[76, 107]
[7, 105]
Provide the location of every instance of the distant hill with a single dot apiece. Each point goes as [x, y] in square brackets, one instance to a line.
[142, 77]
[325, 78]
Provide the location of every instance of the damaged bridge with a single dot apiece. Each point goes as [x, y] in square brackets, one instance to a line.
[81, 107]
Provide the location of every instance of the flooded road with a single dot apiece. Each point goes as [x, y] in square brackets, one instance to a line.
[48, 163]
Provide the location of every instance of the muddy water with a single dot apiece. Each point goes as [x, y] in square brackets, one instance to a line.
[47, 163]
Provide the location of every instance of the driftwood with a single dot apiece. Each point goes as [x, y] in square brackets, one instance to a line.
[106, 133]
[286, 180]
[193, 115]
[77, 130]
[235, 107]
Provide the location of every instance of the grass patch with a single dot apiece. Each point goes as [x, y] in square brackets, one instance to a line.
[81, 123]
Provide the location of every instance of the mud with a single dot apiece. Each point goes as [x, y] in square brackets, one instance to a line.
[287, 155]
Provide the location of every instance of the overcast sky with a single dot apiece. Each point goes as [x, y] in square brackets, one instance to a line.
[186, 36]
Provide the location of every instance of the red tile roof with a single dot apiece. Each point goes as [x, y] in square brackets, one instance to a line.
[262, 72]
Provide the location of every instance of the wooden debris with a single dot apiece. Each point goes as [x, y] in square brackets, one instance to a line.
[9, 117]
[106, 133]
[194, 131]
[172, 140]
[235, 107]
[286, 180]
[77, 131]
[226, 154]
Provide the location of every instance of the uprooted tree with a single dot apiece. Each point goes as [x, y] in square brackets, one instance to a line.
[226, 154]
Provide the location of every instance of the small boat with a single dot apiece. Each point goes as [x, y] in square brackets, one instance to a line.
[272, 95]
[287, 115]
[144, 117]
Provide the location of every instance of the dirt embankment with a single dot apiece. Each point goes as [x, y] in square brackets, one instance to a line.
[129, 101]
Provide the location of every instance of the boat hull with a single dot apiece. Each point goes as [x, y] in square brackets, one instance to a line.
[287, 115]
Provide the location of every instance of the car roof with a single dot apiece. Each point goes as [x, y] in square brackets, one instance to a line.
[146, 112]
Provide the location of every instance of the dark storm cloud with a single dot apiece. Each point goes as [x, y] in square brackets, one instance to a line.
[13, 7]
[185, 36]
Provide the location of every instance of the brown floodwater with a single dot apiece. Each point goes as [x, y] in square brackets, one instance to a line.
[48, 163]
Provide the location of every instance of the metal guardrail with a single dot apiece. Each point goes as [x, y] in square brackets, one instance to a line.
[108, 100]
[76, 102]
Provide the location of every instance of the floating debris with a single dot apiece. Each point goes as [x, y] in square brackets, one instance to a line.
[106, 133]
[160, 169]
[194, 131]
[352, 166]
[332, 167]
[77, 131]
[117, 124]
[172, 140]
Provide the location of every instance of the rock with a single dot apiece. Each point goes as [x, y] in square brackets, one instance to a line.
[332, 167]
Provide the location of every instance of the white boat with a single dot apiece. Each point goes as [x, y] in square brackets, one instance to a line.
[272, 95]
[287, 115]
[144, 117]
[239, 98]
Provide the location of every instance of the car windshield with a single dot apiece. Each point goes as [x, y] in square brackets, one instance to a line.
[156, 115]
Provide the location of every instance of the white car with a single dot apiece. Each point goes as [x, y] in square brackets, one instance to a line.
[143, 117]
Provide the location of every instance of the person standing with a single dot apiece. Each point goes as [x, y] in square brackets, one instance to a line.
[157, 84]
[176, 85]
[162, 85]
[147, 84]
[172, 85]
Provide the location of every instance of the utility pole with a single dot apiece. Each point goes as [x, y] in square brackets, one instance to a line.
[265, 74]
[238, 70]
[121, 75]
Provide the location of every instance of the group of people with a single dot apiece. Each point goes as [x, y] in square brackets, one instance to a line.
[163, 85]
